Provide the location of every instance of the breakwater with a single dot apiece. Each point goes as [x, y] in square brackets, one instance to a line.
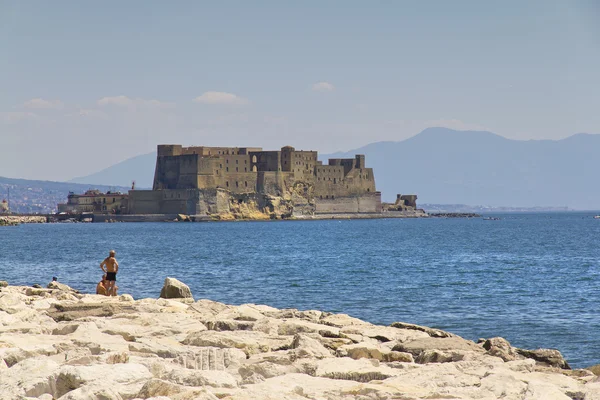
[22, 219]
[57, 343]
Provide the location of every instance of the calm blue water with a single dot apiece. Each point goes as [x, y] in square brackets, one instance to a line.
[531, 278]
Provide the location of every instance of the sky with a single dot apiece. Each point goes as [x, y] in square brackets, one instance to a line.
[84, 85]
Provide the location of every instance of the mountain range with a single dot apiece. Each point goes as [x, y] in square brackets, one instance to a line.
[446, 166]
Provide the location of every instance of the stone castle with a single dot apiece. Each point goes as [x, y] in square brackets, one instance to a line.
[212, 180]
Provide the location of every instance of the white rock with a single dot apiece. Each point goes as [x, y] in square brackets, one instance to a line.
[93, 392]
[31, 377]
[72, 377]
[173, 289]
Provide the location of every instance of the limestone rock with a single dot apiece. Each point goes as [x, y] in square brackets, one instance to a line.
[31, 377]
[362, 370]
[55, 343]
[438, 333]
[194, 377]
[373, 351]
[72, 377]
[175, 289]
[61, 286]
[93, 392]
[305, 346]
[455, 343]
[248, 341]
[3, 284]
[550, 357]
[293, 326]
[158, 387]
[500, 347]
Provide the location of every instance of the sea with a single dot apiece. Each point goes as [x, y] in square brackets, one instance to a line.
[532, 278]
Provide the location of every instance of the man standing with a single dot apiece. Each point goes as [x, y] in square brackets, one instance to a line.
[110, 266]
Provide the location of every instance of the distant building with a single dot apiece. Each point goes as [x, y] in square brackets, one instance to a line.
[189, 180]
[94, 201]
[4, 207]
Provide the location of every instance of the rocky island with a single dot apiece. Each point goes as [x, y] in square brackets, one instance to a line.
[56, 343]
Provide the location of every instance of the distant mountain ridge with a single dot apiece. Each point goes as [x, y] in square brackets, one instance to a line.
[139, 169]
[446, 166]
[31, 196]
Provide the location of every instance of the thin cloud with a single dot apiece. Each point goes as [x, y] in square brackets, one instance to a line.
[220, 98]
[12, 117]
[323, 87]
[39, 103]
[127, 102]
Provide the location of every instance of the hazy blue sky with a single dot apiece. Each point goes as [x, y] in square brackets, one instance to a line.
[84, 85]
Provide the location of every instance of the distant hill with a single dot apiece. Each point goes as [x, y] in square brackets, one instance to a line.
[27, 196]
[139, 169]
[444, 166]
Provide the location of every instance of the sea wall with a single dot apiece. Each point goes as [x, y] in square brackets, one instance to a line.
[365, 203]
[57, 343]
[22, 219]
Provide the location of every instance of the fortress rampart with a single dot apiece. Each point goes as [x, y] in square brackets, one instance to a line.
[191, 180]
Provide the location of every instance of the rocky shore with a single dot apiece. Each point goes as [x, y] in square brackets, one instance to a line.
[56, 343]
[8, 220]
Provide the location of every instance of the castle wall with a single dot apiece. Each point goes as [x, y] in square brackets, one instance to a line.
[272, 182]
[365, 203]
[144, 202]
[266, 160]
[303, 164]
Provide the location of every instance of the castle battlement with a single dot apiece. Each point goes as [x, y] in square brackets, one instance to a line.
[250, 169]
[195, 180]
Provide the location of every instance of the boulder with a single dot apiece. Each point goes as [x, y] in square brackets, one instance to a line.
[438, 333]
[362, 370]
[304, 346]
[31, 377]
[71, 377]
[93, 392]
[175, 289]
[373, 351]
[194, 377]
[248, 341]
[416, 347]
[61, 286]
[3, 284]
[549, 357]
[158, 387]
[500, 347]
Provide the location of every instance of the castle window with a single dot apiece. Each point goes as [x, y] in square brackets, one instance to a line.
[368, 190]
[236, 161]
[333, 180]
[227, 183]
[245, 161]
[253, 159]
[254, 168]
[227, 161]
[236, 169]
[236, 184]
[246, 183]
[226, 169]
[245, 169]
[220, 165]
